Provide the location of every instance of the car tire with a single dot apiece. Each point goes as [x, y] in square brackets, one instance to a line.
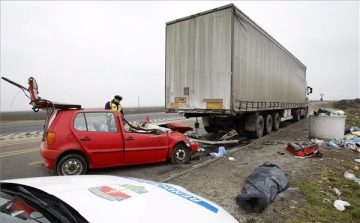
[72, 164]
[180, 154]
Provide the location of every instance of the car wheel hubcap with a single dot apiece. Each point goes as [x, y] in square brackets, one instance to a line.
[72, 167]
[181, 154]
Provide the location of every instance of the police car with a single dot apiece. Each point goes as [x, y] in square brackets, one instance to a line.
[103, 199]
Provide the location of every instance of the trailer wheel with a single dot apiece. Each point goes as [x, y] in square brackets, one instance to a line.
[305, 114]
[296, 115]
[268, 124]
[259, 128]
[276, 121]
[209, 129]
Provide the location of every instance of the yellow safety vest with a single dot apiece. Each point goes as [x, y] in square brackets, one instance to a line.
[115, 107]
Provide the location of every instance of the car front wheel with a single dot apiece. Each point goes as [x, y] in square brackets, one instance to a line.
[180, 154]
[72, 164]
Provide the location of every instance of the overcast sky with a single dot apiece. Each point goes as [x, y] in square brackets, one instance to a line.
[85, 52]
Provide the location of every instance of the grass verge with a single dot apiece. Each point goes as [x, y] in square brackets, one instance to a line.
[319, 206]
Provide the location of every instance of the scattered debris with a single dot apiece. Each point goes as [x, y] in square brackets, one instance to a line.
[195, 158]
[232, 159]
[200, 149]
[329, 112]
[349, 142]
[229, 135]
[245, 141]
[268, 143]
[357, 160]
[317, 141]
[352, 177]
[337, 191]
[304, 149]
[221, 152]
[340, 205]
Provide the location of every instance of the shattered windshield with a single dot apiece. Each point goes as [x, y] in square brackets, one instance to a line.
[13, 209]
[19, 203]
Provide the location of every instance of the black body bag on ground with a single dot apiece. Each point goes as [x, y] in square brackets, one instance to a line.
[261, 187]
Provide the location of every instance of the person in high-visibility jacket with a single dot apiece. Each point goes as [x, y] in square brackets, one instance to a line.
[115, 104]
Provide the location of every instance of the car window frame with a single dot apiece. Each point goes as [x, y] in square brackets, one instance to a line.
[89, 128]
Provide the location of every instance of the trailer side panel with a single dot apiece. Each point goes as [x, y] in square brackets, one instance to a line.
[265, 75]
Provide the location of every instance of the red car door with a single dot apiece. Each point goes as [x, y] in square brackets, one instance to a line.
[100, 135]
[142, 147]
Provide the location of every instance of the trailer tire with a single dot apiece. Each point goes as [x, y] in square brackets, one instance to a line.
[276, 121]
[305, 113]
[296, 115]
[259, 128]
[268, 124]
[209, 129]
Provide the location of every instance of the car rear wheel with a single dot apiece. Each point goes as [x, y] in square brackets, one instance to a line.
[72, 164]
[180, 154]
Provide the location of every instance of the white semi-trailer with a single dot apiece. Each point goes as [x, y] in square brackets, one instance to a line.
[223, 67]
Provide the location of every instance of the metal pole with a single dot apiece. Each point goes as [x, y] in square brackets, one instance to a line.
[138, 103]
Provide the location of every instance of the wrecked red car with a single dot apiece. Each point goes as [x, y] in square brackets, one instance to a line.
[76, 140]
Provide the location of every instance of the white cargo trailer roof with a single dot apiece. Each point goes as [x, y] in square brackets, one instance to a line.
[247, 17]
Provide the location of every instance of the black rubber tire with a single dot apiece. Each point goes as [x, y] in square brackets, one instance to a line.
[209, 129]
[305, 115]
[276, 121]
[180, 154]
[296, 115]
[258, 133]
[71, 164]
[268, 125]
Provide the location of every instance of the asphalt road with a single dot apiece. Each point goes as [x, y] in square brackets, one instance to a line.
[20, 158]
[32, 126]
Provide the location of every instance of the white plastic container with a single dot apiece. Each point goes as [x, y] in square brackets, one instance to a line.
[327, 127]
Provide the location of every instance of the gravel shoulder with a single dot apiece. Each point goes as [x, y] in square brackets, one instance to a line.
[221, 180]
